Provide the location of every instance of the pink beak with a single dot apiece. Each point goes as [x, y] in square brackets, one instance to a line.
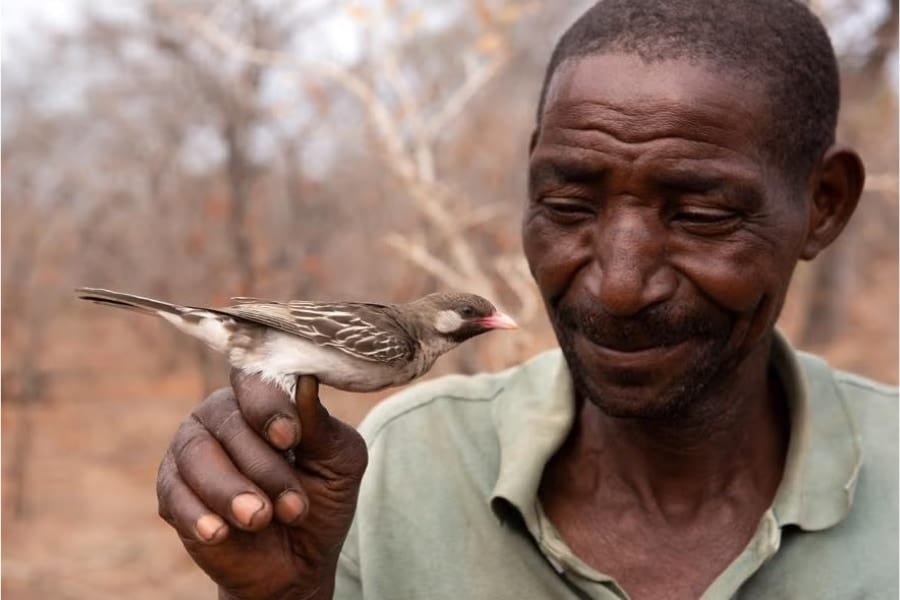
[499, 320]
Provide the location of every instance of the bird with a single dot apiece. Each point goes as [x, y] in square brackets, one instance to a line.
[351, 346]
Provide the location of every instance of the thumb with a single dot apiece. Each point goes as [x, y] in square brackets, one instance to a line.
[322, 436]
[311, 413]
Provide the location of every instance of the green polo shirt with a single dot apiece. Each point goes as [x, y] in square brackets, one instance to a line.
[448, 508]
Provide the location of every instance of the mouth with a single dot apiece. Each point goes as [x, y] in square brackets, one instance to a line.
[645, 357]
[498, 320]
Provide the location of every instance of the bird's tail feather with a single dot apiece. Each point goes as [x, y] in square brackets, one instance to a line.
[128, 301]
[212, 327]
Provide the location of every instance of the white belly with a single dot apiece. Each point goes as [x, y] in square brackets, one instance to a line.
[282, 357]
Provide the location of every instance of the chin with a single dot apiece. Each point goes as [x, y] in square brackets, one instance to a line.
[637, 401]
[646, 393]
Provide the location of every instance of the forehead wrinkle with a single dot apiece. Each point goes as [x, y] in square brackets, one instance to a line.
[734, 172]
[564, 163]
[672, 82]
[561, 162]
[636, 101]
[579, 154]
[595, 145]
[654, 120]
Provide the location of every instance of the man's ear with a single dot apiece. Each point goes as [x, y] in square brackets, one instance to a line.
[837, 187]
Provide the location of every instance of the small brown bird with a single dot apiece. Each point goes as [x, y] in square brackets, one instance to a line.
[353, 346]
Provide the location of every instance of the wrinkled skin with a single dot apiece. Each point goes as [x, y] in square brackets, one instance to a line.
[226, 455]
[657, 223]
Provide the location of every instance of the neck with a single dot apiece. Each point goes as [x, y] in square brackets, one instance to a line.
[732, 445]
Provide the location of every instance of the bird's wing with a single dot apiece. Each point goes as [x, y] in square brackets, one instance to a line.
[365, 331]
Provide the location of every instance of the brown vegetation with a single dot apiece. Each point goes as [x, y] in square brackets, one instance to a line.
[198, 150]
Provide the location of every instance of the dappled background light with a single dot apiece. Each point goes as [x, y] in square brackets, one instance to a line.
[195, 150]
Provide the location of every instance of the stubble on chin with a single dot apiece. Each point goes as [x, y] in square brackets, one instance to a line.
[627, 395]
[630, 393]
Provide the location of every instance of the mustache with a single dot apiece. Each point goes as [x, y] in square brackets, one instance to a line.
[655, 326]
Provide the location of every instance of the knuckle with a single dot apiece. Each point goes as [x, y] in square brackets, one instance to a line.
[164, 483]
[165, 515]
[187, 430]
[269, 471]
[347, 438]
[266, 477]
[162, 497]
[341, 486]
[243, 383]
[230, 428]
[220, 401]
[164, 473]
[351, 453]
[224, 395]
[256, 461]
[190, 444]
[356, 446]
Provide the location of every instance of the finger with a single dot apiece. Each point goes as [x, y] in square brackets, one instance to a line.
[329, 447]
[212, 476]
[268, 410]
[255, 459]
[183, 510]
[314, 417]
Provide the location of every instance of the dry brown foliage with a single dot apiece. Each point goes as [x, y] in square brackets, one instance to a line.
[198, 150]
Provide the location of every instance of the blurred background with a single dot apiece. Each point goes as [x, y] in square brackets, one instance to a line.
[195, 150]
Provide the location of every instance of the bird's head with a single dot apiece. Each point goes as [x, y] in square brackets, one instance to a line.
[457, 316]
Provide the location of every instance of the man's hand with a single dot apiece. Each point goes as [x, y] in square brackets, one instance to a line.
[258, 526]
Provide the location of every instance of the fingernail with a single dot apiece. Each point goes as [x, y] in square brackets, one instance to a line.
[209, 526]
[245, 507]
[289, 506]
[282, 431]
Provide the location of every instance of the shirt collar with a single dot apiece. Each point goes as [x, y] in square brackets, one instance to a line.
[825, 453]
[532, 417]
[535, 412]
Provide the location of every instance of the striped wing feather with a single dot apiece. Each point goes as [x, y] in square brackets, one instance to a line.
[365, 331]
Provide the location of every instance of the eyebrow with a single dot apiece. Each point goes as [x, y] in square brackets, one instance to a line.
[559, 170]
[700, 182]
[691, 181]
[547, 170]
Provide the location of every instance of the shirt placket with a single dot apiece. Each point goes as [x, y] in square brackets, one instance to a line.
[763, 546]
[587, 579]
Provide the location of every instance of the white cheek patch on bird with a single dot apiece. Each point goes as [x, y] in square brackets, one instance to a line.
[448, 321]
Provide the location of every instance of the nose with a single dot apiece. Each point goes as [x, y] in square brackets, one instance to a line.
[630, 271]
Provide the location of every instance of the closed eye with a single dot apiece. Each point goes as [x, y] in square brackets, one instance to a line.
[567, 208]
[707, 220]
[704, 216]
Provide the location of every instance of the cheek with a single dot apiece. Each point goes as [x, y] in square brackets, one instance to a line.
[746, 280]
[555, 254]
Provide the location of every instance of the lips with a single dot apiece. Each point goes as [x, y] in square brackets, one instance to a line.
[630, 337]
[631, 345]
[645, 357]
[606, 371]
[654, 330]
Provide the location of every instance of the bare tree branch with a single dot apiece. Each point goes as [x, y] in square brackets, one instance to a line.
[407, 138]
[379, 114]
[457, 102]
[419, 255]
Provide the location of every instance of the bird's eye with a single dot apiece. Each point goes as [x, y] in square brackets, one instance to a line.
[467, 311]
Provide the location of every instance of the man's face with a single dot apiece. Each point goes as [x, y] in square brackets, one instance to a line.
[661, 236]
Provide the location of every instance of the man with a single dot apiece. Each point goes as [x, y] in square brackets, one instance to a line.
[677, 447]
